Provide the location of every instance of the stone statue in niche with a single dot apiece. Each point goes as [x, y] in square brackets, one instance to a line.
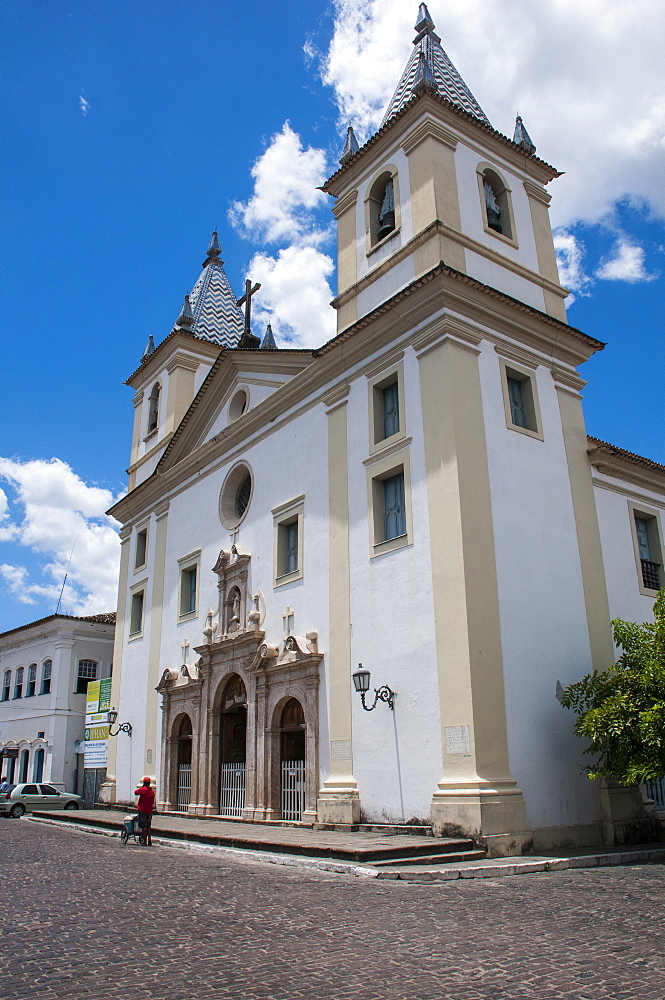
[234, 610]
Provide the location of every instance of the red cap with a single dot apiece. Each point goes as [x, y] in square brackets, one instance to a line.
[146, 781]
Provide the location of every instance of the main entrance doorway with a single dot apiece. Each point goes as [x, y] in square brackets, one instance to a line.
[233, 748]
[292, 753]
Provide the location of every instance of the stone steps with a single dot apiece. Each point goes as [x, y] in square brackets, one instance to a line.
[451, 857]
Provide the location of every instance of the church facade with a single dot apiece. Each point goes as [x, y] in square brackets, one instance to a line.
[418, 495]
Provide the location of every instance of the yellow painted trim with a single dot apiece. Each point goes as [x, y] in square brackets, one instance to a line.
[375, 385]
[649, 513]
[155, 666]
[507, 367]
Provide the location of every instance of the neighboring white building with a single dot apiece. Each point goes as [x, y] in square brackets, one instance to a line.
[419, 495]
[45, 667]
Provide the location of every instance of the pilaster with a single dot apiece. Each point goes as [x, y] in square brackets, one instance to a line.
[338, 800]
[477, 794]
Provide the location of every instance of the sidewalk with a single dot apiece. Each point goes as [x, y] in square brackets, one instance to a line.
[372, 854]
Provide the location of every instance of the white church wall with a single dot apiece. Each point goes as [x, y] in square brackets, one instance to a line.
[544, 631]
[396, 755]
[382, 288]
[615, 503]
[496, 276]
[256, 393]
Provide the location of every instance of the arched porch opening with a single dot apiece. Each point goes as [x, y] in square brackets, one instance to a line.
[292, 760]
[183, 754]
[232, 747]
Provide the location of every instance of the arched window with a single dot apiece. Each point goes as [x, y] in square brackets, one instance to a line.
[18, 684]
[153, 408]
[23, 770]
[496, 206]
[383, 207]
[38, 766]
[46, 677]
[7, 685]
[238, 404]
[32, 680]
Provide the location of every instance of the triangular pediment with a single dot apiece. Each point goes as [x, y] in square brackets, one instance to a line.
[219, 403]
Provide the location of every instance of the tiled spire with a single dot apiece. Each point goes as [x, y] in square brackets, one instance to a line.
[430, 68]
[149, 349]
[351, 146]
[211, 310]
[522, 137]
[268, 343]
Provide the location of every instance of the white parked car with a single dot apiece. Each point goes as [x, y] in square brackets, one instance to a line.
[33, 797]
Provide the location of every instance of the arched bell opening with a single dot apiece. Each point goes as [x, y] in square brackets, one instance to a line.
[233, 747]
[293, 731]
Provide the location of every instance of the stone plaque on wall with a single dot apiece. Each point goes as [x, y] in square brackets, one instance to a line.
[458, 740]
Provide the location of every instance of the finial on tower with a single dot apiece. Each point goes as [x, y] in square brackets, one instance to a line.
[214, 247]
[149, 349]
[186, 318]
[351, 146]
[423, 20]
[268, 343]
[522, 137]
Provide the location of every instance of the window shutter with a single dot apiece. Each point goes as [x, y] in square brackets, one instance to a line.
[642, 531]
[393, 506]
[390, 410]
[292, 547]
[516, 397]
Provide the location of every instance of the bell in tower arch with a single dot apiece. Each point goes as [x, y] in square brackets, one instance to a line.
[387, 211]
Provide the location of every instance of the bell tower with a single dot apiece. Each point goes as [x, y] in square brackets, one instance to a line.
[437, 183]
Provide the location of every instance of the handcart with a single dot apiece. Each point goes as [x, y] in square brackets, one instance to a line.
[130, 829]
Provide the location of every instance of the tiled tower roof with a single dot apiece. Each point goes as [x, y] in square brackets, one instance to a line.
[430, 66]
[217, 317]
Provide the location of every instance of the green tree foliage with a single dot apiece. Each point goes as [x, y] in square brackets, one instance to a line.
[621, 711]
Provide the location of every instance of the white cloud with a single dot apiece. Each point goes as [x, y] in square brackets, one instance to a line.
[84, 105]
[570, 260]
[7, 530]
[295, 296]
[626, 263]
[286, 179]
[53, 511]
[588, 79]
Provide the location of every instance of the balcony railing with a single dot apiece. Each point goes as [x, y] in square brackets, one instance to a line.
[650, 574]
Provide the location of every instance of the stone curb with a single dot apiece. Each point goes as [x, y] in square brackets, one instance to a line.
[295, 860]
[496, 868]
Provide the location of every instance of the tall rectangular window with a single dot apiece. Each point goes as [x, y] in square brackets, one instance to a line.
[141, 548]
[394, 508]
[18, 685]
[7, 685]
[520, 399]
[87, 671]
[188, 590]
[136, 614]
[32, 680]
[288, 544]
[46, 677]
[648, 548]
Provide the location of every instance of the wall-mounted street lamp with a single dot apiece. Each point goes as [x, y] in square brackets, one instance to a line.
[361, 684]
[124, 727]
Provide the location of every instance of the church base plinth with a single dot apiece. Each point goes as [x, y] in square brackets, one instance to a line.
[107, 791]
[338, 802]
[489, 812]
[625, 820]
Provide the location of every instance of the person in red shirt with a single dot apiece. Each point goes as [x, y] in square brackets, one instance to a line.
[146, 806]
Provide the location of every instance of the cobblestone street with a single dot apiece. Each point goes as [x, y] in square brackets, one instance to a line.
[83, 917]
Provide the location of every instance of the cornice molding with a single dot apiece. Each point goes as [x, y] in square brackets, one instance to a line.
[380, 364]
[335, 396]
[639, 498]
[429, 129]
[181, 360]
[537, 192]
[344, 203]
[393, 449]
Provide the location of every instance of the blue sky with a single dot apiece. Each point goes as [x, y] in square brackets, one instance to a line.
[132, 130]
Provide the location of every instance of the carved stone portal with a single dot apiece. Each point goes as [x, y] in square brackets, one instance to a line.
[228, 714]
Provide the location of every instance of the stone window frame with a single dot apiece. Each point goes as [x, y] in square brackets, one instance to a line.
[46, 683]
[375, 385]
[139, 589]
[227, 495]
[504, 197]
[378, 180]
[656, 542]
[527, 376]
[31, 683]
[236, 409]
[153, 403]
[192, 561]
[141, 548]
[293, 511]
[6, 685]
[18, 682]
[378, 468]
